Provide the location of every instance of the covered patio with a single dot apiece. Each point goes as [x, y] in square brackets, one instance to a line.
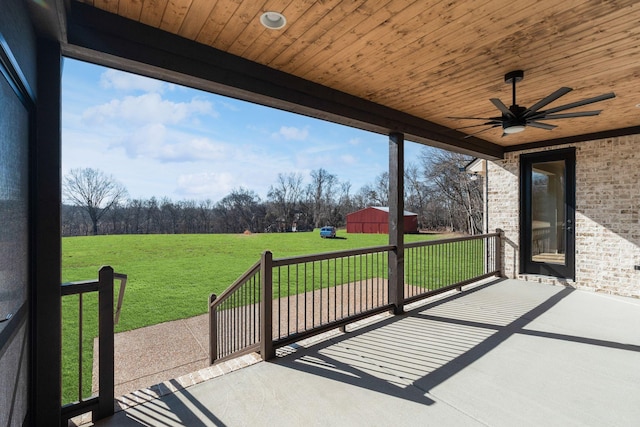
[502, 353]
[509, 353]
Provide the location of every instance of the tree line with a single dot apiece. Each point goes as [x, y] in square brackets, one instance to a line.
[437, 188]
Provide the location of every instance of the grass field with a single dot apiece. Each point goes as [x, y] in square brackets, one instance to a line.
[171, 276]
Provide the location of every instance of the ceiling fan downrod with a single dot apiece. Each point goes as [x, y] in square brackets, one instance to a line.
[514, 77]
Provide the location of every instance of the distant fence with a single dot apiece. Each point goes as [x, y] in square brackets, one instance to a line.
[280, 301]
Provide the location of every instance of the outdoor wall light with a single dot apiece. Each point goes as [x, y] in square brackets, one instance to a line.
[273, 20]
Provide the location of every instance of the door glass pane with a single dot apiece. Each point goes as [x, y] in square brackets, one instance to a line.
[548, 212]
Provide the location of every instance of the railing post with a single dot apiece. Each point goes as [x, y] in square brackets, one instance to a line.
[213, 331]
[106, 341]
[498, 260]
[266, 310]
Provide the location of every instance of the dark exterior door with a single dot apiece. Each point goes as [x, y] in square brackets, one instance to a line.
[547, 206]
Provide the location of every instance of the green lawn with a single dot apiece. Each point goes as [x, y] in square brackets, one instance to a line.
[171, 276]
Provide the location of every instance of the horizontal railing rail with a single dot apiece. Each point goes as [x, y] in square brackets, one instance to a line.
[281, 301]
[101, 405]
[330, 255]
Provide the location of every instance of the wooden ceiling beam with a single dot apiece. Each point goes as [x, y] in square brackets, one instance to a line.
[110, 40]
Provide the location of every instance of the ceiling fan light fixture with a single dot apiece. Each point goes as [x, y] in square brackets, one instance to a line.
[273, 20]
[513, 129]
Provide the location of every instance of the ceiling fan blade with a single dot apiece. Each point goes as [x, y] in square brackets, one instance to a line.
[547, 100]
[475, 118]
[565, 115]
[482, 124]
[581, 103]
[500, 106]
[483, 130]
[539, 125]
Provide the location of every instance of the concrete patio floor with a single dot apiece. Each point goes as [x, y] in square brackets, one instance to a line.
[503, 354]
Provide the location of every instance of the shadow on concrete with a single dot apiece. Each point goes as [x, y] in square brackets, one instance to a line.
[177, 409]
[406, 356]
[504, 353]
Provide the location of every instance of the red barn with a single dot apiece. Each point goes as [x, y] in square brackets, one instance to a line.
[376, 220]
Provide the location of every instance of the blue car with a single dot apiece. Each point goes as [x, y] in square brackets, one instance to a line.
[328, 231]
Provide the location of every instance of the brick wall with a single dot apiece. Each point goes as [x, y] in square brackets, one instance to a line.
[607, 229]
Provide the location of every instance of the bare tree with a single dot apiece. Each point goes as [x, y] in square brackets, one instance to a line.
[114, 220]
[435, 188]
[94, 191]
[284, 196]
[189, 209]
[74, 221]
[345, 201]
[205, 214]
[376, 194]
[416, 192]
[381, 189]
[445, 170]
[170, 216]
[239, 211]
[135, 216]
[321, 194]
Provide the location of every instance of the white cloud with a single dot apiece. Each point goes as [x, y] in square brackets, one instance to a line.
[158, 142]
[293, 133]
[147, 108]
[162, 140]
[349, 159]
[320, 148]
[229, 106]
[213, 185]
[119, 80]
[146, 126]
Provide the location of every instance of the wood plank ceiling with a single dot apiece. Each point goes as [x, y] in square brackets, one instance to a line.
[432, 59]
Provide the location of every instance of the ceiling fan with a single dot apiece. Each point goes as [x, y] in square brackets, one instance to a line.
[515, 119]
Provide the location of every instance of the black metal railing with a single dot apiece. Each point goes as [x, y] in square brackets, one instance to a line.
[319, 292]
[281, 301]
[101, 405]
[234, 317]
[436, 266]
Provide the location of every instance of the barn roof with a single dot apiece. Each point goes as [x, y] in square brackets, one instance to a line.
[384, 209]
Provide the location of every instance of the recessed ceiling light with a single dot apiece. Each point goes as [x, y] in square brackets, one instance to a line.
[273, 20]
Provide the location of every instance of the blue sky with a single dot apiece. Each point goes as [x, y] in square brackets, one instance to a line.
[161, 139]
